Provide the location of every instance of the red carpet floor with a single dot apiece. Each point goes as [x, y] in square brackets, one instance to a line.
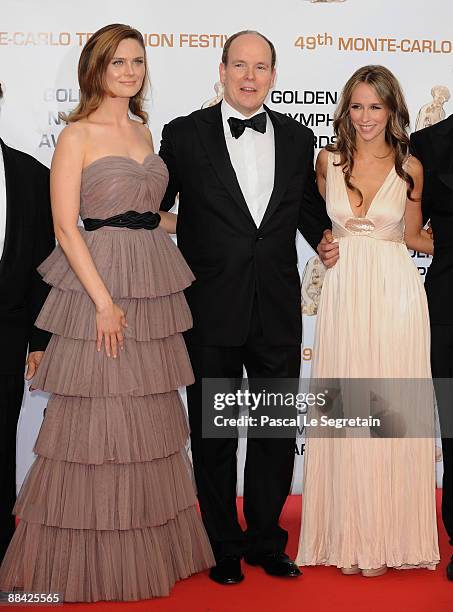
[320, 589]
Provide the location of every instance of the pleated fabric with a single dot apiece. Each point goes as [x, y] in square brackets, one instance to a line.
[370, 501]
[108, 508]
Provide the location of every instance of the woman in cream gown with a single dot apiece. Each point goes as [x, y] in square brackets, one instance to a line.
[369, 501]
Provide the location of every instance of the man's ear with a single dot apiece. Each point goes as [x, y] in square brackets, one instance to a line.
[274, 76]
[222, 72]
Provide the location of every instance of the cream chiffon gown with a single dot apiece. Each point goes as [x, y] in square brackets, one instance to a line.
[370, 501]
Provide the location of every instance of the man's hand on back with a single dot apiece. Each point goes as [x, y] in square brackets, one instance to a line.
[328, 250]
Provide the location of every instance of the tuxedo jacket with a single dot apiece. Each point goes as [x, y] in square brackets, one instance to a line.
[433, 146]
[29, 239]
[233, 260]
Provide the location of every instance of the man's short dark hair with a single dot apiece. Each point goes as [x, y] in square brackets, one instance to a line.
[233, 37]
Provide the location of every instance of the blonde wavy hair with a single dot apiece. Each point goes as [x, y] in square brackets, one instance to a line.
[94, 59]
[389, 92]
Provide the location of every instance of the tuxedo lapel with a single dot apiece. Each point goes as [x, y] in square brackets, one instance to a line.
[210, 128]
[14, 211]
[284, 162]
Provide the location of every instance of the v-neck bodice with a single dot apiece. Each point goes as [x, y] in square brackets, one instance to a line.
[384, 219]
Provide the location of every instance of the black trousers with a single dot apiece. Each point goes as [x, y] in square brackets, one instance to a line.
[442, 367]
[11, 393]
[269, 462]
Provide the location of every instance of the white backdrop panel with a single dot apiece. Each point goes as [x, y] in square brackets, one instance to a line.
[319, 44]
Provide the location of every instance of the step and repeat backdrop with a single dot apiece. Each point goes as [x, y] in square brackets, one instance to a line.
[319, 44]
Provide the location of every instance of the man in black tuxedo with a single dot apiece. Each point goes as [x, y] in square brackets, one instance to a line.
[26, 238]
[246, 183]
[433, 146]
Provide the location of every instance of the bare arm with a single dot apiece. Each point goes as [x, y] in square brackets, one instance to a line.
[168, 221]
[418, 150]
[415, 236]
[321, 171]
[65, 180]
[327, 249]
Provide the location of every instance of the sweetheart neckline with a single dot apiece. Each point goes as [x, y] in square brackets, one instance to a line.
[142, 163]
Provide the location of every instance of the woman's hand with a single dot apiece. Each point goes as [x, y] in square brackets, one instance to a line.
[168, 221]
[33, 361]
[110, 321]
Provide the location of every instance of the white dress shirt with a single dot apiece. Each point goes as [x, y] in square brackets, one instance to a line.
[2, 203]
[253, 158]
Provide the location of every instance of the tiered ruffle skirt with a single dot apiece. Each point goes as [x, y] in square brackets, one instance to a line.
[108, 509]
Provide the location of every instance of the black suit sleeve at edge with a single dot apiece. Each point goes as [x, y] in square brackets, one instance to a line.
[426, 204]
[43, 246]
[313, 217]
[168, 154]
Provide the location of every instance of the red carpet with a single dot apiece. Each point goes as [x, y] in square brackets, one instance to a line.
[320, 589]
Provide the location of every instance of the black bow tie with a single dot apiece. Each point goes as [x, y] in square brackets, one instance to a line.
[237, 126]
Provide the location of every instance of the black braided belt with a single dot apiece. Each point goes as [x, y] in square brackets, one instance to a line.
[130, 220]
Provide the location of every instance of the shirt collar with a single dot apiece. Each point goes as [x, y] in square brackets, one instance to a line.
[228, 111]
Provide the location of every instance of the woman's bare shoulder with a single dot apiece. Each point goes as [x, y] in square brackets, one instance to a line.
[321, 161]
[74, 137]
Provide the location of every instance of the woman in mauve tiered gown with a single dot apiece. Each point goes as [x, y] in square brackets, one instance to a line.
[108, 509]
[369, 496]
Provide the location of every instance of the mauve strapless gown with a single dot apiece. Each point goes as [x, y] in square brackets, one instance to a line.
[108, 509]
